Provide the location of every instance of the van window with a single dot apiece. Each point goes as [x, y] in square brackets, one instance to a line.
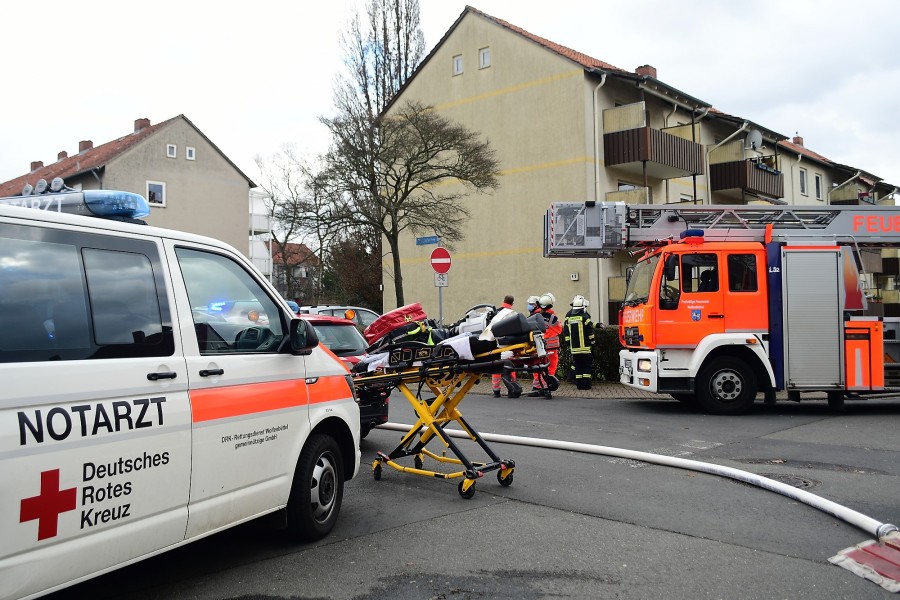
[231, 311]
[64, 297]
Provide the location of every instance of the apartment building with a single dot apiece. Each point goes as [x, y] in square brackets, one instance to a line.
[190, 184]
[568, 127]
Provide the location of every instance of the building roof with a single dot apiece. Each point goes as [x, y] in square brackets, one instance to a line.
[296, 254]
[98, 157]
[597, 66]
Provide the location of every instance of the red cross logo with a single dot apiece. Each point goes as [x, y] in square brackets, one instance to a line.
[47, 506]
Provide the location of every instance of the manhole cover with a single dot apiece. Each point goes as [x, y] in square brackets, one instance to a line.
[791, 480]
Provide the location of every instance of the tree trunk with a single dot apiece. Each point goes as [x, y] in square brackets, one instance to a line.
[398, 277]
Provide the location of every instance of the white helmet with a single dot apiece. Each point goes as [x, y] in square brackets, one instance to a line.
[532, 300]
[547, 300]
[580, 302]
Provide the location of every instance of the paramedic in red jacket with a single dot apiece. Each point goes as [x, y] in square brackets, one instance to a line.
[551, 341]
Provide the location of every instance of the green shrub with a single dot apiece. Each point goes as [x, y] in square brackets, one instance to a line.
[606, 356]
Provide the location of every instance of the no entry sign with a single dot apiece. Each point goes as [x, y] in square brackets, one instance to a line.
[440, 260]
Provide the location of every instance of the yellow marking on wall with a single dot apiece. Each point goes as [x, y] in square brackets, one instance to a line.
[471, 255]
[511, 89]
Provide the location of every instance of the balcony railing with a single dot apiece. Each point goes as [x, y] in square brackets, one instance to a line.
[639, 195]
[752, 176]
[632, 145]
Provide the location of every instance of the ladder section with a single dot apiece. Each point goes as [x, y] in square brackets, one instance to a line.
[577, 229]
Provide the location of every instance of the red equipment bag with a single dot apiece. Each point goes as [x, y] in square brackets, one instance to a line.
[392, 320]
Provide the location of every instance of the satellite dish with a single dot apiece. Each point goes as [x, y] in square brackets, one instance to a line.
[754, 140]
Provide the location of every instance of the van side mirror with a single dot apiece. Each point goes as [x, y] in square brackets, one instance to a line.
[301, 338]
[628, 273]
[671, 270]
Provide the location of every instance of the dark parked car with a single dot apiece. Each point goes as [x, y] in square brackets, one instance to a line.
[343, 338]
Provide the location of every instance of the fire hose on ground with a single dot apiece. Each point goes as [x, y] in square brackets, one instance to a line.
[857, 519]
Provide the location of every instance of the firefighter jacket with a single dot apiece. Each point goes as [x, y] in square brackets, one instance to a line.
[578, 331]
[554, 328]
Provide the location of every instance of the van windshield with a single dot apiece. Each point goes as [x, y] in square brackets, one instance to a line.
[639, 285]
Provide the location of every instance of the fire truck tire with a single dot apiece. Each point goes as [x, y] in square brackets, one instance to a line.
[726, 386]
[317, 491]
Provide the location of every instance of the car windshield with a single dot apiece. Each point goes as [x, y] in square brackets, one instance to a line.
[342, 339]
[639, 285]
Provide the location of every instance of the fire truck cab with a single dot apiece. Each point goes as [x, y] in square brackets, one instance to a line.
[728, 302]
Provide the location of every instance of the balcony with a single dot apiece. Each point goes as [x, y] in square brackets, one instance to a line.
[630, 144]
[733, 176]
[639, 195]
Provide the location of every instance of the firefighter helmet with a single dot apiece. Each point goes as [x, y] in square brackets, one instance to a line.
[532, 300]
[547, 300]
[579, 301]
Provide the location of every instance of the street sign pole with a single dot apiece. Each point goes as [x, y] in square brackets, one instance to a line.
[440, 262]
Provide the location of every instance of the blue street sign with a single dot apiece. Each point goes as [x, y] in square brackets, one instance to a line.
[424, 241]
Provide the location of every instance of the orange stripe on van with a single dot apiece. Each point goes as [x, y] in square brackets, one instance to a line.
[238, 400]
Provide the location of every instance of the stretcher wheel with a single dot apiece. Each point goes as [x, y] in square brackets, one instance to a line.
[418, 461]
[504, 481]
[466, 493]
[376, 472]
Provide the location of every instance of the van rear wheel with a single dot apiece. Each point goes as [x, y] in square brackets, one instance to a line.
[726, 386]
[317, 491]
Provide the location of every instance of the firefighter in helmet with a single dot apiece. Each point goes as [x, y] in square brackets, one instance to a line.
[578, 334]
[542, 386]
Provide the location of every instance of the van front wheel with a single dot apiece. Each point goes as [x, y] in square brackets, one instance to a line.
[317, 491]
[726, 386]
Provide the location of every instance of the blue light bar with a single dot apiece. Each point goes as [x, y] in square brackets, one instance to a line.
[96, 203]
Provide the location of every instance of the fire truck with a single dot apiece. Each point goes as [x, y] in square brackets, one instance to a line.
[727, 302]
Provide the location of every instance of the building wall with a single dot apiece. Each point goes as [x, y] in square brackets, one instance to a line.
[206, 194]
[530, 105]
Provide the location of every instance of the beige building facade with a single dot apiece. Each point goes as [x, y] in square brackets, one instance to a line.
[190, 184]
[570, 128]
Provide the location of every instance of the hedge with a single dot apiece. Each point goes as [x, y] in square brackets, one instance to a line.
[606, 356]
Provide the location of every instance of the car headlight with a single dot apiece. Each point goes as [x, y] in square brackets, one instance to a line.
[643, 365]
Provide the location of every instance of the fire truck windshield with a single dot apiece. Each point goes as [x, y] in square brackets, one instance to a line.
[639, 285]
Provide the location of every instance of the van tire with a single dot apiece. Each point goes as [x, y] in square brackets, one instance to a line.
[726, 386]
[317, 490]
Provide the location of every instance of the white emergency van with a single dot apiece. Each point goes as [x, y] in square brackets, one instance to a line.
[155, 390]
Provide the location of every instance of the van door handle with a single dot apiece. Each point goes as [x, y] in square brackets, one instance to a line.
[164, 375]
[715, 316]
[311, 380]
[211, 372]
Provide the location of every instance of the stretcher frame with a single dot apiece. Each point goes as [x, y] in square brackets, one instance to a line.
[450, 380]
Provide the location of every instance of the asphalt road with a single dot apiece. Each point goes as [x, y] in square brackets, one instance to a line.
[575, 525]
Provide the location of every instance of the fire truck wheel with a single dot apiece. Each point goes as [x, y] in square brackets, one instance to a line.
[726, 386]
[318, 489]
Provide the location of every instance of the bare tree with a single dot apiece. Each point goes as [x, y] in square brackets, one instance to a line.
[301, 210]
[400, 190]
[386, 169]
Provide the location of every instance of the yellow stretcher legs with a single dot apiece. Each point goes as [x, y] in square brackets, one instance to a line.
[433, 415]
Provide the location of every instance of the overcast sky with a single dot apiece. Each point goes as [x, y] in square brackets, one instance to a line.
[256, 76]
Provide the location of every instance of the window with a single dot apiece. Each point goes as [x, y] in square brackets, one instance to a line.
[232, 313]
[685, 198]
[803, 181]
[818, 187]
[190, 153]
[457, 64]
[700, 273]
[742, 273]
[624, 186]
[156, 193]
[484, 58]
[171, 150]
[69, 296]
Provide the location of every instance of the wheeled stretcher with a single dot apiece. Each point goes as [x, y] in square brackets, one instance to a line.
[435, 379]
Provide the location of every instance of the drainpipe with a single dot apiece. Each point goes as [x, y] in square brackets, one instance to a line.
[696, 119]
[97, 177]
[666, 124]
[602, 284]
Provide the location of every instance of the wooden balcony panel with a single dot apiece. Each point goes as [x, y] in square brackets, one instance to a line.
[745, 175]
[653, 145]
[890, 265]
